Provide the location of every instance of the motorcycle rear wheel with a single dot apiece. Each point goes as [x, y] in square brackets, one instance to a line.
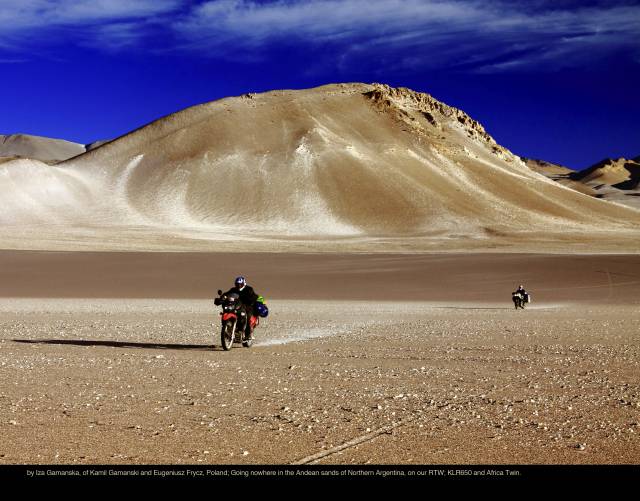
[227, 335]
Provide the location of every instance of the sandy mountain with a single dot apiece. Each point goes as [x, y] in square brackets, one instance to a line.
[38, 148]
[96, 144]
[614, 180]
[610, 180]
[621, 173]
[346, 166]
[558, 173]
[545, 168]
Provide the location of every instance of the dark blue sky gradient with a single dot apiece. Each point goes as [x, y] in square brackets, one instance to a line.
[60, 80]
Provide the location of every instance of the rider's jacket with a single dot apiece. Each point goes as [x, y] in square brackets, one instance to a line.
[247, 294]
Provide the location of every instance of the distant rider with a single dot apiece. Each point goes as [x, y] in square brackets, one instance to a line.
[248, 298]
[522, 292]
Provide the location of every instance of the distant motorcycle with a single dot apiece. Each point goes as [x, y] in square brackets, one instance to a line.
[519, 299]
[234, 321]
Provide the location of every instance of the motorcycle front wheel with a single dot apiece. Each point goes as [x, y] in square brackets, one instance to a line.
[226, 335]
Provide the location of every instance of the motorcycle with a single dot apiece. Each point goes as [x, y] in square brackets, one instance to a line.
[234, 321]
[519, 299]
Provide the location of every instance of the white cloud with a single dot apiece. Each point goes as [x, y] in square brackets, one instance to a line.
[19, 14]
[321, 20]
[433, 32]
[113, 36]
[111, 21]
[96, 10]
[474, 35]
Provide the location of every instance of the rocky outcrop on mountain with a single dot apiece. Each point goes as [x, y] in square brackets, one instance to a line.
[413, 108]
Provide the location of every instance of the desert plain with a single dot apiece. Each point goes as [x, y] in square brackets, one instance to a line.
[115, 358]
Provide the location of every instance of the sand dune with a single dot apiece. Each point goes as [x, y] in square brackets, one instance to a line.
[38, 148]
[349, 166]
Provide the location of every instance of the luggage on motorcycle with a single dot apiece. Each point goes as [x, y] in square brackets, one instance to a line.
[262, 310]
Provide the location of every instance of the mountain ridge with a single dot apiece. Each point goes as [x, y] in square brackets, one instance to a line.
[40, 148]
[341, 166]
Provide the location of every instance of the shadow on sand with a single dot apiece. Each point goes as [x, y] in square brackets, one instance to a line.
[119, 344]
[470, 308]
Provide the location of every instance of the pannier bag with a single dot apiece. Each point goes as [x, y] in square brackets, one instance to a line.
[262, 310]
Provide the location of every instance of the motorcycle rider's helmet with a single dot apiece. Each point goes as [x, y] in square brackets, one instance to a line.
[240, 282]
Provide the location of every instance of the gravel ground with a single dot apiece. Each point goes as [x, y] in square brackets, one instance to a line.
[141, 382]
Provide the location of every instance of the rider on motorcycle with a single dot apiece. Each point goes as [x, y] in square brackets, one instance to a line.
[248, 298]
[522, 292]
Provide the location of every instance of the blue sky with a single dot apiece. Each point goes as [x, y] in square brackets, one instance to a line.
[557, 80]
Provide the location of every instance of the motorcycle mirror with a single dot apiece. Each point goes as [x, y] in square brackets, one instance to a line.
[219, 292]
